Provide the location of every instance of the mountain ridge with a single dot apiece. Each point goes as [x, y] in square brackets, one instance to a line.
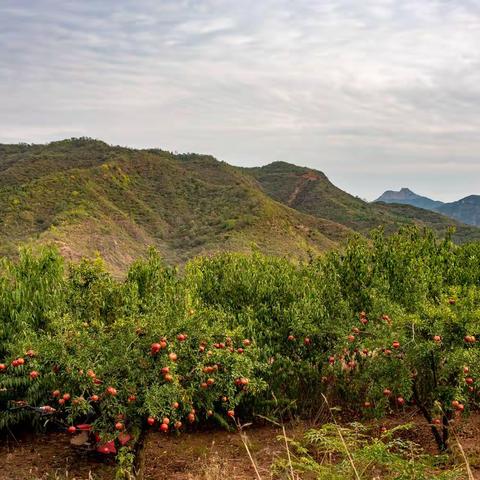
[87, 197]
[465, 210]
[313, 193]
[407, 197]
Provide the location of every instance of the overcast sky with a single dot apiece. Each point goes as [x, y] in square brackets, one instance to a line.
[378, 94]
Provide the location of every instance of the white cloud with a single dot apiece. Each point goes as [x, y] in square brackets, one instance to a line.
[382, 87]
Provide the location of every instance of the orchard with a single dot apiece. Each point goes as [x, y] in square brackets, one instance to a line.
[385, 324]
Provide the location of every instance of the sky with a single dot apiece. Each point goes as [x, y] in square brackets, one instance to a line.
[378, 94]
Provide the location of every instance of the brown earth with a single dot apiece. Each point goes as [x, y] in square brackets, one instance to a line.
[206, 455]
[50, 457]
[214, 455]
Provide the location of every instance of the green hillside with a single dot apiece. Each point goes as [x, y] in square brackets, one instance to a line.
[311, 192]
[88, 197]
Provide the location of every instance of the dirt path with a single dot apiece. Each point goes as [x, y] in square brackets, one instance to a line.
[304, 179]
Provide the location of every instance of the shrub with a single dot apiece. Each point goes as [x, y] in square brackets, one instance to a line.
[329, 326]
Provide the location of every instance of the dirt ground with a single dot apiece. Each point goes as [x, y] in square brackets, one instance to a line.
[208, 455]
[213, 455]
[49, 457]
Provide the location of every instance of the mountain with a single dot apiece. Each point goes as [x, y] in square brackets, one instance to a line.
[87, 197]
[466, 210]
[311, 192]
[406, 197]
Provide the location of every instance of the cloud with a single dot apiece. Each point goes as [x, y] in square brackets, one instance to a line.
[390, 89]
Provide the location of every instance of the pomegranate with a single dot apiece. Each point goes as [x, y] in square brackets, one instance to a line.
[112, 391]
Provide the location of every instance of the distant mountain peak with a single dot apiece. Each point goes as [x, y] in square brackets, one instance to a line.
[408, 197]
[392, 195]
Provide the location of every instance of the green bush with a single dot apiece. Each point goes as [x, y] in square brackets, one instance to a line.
[329, 326]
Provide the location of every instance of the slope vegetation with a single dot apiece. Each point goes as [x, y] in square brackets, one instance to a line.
[88, 197]
[311, 192]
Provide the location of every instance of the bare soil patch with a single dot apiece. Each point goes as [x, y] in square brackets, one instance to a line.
[213, 455]
[50, 456]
